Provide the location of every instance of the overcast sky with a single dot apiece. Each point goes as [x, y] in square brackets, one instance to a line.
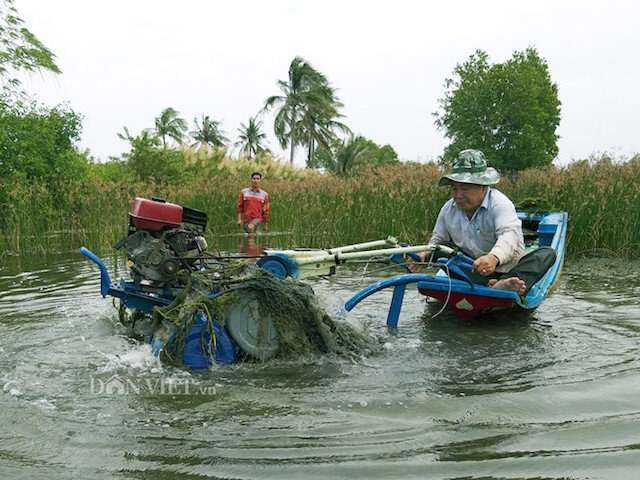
[125, 61]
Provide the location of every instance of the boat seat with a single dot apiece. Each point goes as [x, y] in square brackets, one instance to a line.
[529, 234]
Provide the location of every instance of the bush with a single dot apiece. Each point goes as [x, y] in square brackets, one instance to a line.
[113, 171]
[159, 164]
[37, 144]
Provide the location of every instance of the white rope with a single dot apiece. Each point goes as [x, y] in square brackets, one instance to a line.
[446, 267]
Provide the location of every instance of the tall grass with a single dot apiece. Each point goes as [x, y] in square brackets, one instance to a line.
[600, 196]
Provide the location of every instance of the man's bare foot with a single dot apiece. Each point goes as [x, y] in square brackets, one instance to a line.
[513, 283]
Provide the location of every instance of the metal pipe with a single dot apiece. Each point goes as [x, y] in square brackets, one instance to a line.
[334, 250]
[340, 257]
[362, 246]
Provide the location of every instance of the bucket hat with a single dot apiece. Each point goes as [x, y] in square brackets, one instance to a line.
[471, 167]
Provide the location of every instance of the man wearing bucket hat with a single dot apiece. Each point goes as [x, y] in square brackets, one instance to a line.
[482, 222]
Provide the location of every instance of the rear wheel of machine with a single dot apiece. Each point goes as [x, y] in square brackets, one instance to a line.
[254, 333]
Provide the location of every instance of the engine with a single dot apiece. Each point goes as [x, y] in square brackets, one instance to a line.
[164, 243]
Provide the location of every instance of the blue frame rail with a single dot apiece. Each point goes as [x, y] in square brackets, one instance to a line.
[457, 266]
[128, 292]
[198, 354]
[399, 284]
[105, 280]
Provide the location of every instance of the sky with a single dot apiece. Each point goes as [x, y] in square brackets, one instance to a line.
[123, 62]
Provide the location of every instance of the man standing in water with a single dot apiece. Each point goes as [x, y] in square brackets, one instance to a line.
[482, 222]
[252, 207]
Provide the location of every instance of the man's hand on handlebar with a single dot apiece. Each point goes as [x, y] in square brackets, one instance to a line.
[411, 263]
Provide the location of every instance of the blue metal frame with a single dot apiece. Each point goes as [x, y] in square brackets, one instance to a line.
[457, 265]
[399, 282]
[552, 231]
[105, 280]
[128, 292]
[132, 297]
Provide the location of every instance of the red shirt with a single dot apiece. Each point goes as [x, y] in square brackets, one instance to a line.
[253, 204]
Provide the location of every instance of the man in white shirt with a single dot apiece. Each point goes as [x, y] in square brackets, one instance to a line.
[482, 222]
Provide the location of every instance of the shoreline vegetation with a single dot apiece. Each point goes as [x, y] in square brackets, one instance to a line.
[320, 210]
[54, 197]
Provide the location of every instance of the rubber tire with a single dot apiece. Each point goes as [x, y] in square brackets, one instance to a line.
[241, 322]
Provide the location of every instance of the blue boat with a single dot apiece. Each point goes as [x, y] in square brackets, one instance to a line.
[453, 288]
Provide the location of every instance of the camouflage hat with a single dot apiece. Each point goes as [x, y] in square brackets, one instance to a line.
[471, 167]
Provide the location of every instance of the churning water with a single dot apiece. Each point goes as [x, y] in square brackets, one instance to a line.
[552, 395]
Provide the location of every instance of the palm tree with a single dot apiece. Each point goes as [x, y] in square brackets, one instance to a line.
[146, 138]
[349, 154]
[125, 135]
[251, 137]
[208, 132]
[169, 124]
[319, 124]
[306, 90]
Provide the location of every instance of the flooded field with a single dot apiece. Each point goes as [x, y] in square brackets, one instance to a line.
[549, 396]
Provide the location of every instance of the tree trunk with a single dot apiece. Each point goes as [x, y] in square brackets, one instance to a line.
[310, 151]
[292, 138]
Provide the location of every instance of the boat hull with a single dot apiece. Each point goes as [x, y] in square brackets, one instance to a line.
[467, 300]
[469, 306]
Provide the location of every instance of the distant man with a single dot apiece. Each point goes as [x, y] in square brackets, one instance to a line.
[253, 206]
[482, 222]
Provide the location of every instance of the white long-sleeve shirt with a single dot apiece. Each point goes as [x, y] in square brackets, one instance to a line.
[494, 228]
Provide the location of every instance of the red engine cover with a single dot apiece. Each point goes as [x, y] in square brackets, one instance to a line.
[155, 216]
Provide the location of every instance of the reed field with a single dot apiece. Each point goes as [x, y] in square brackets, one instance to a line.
[601, 197]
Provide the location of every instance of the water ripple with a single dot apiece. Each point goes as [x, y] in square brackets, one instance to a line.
[552, 395]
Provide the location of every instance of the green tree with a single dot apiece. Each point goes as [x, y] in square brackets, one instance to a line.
[386, 155]
[169, 124]
[319, 125]
[20, 50]
[347, 156]
[146, 139]
[251, 137]
[159, 164]
[208, 132]
[508, 110]
[37, 144]
[352, 151]
[147, 160]
[307, 108]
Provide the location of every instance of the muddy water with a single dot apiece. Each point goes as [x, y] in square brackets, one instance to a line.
[553, 395]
